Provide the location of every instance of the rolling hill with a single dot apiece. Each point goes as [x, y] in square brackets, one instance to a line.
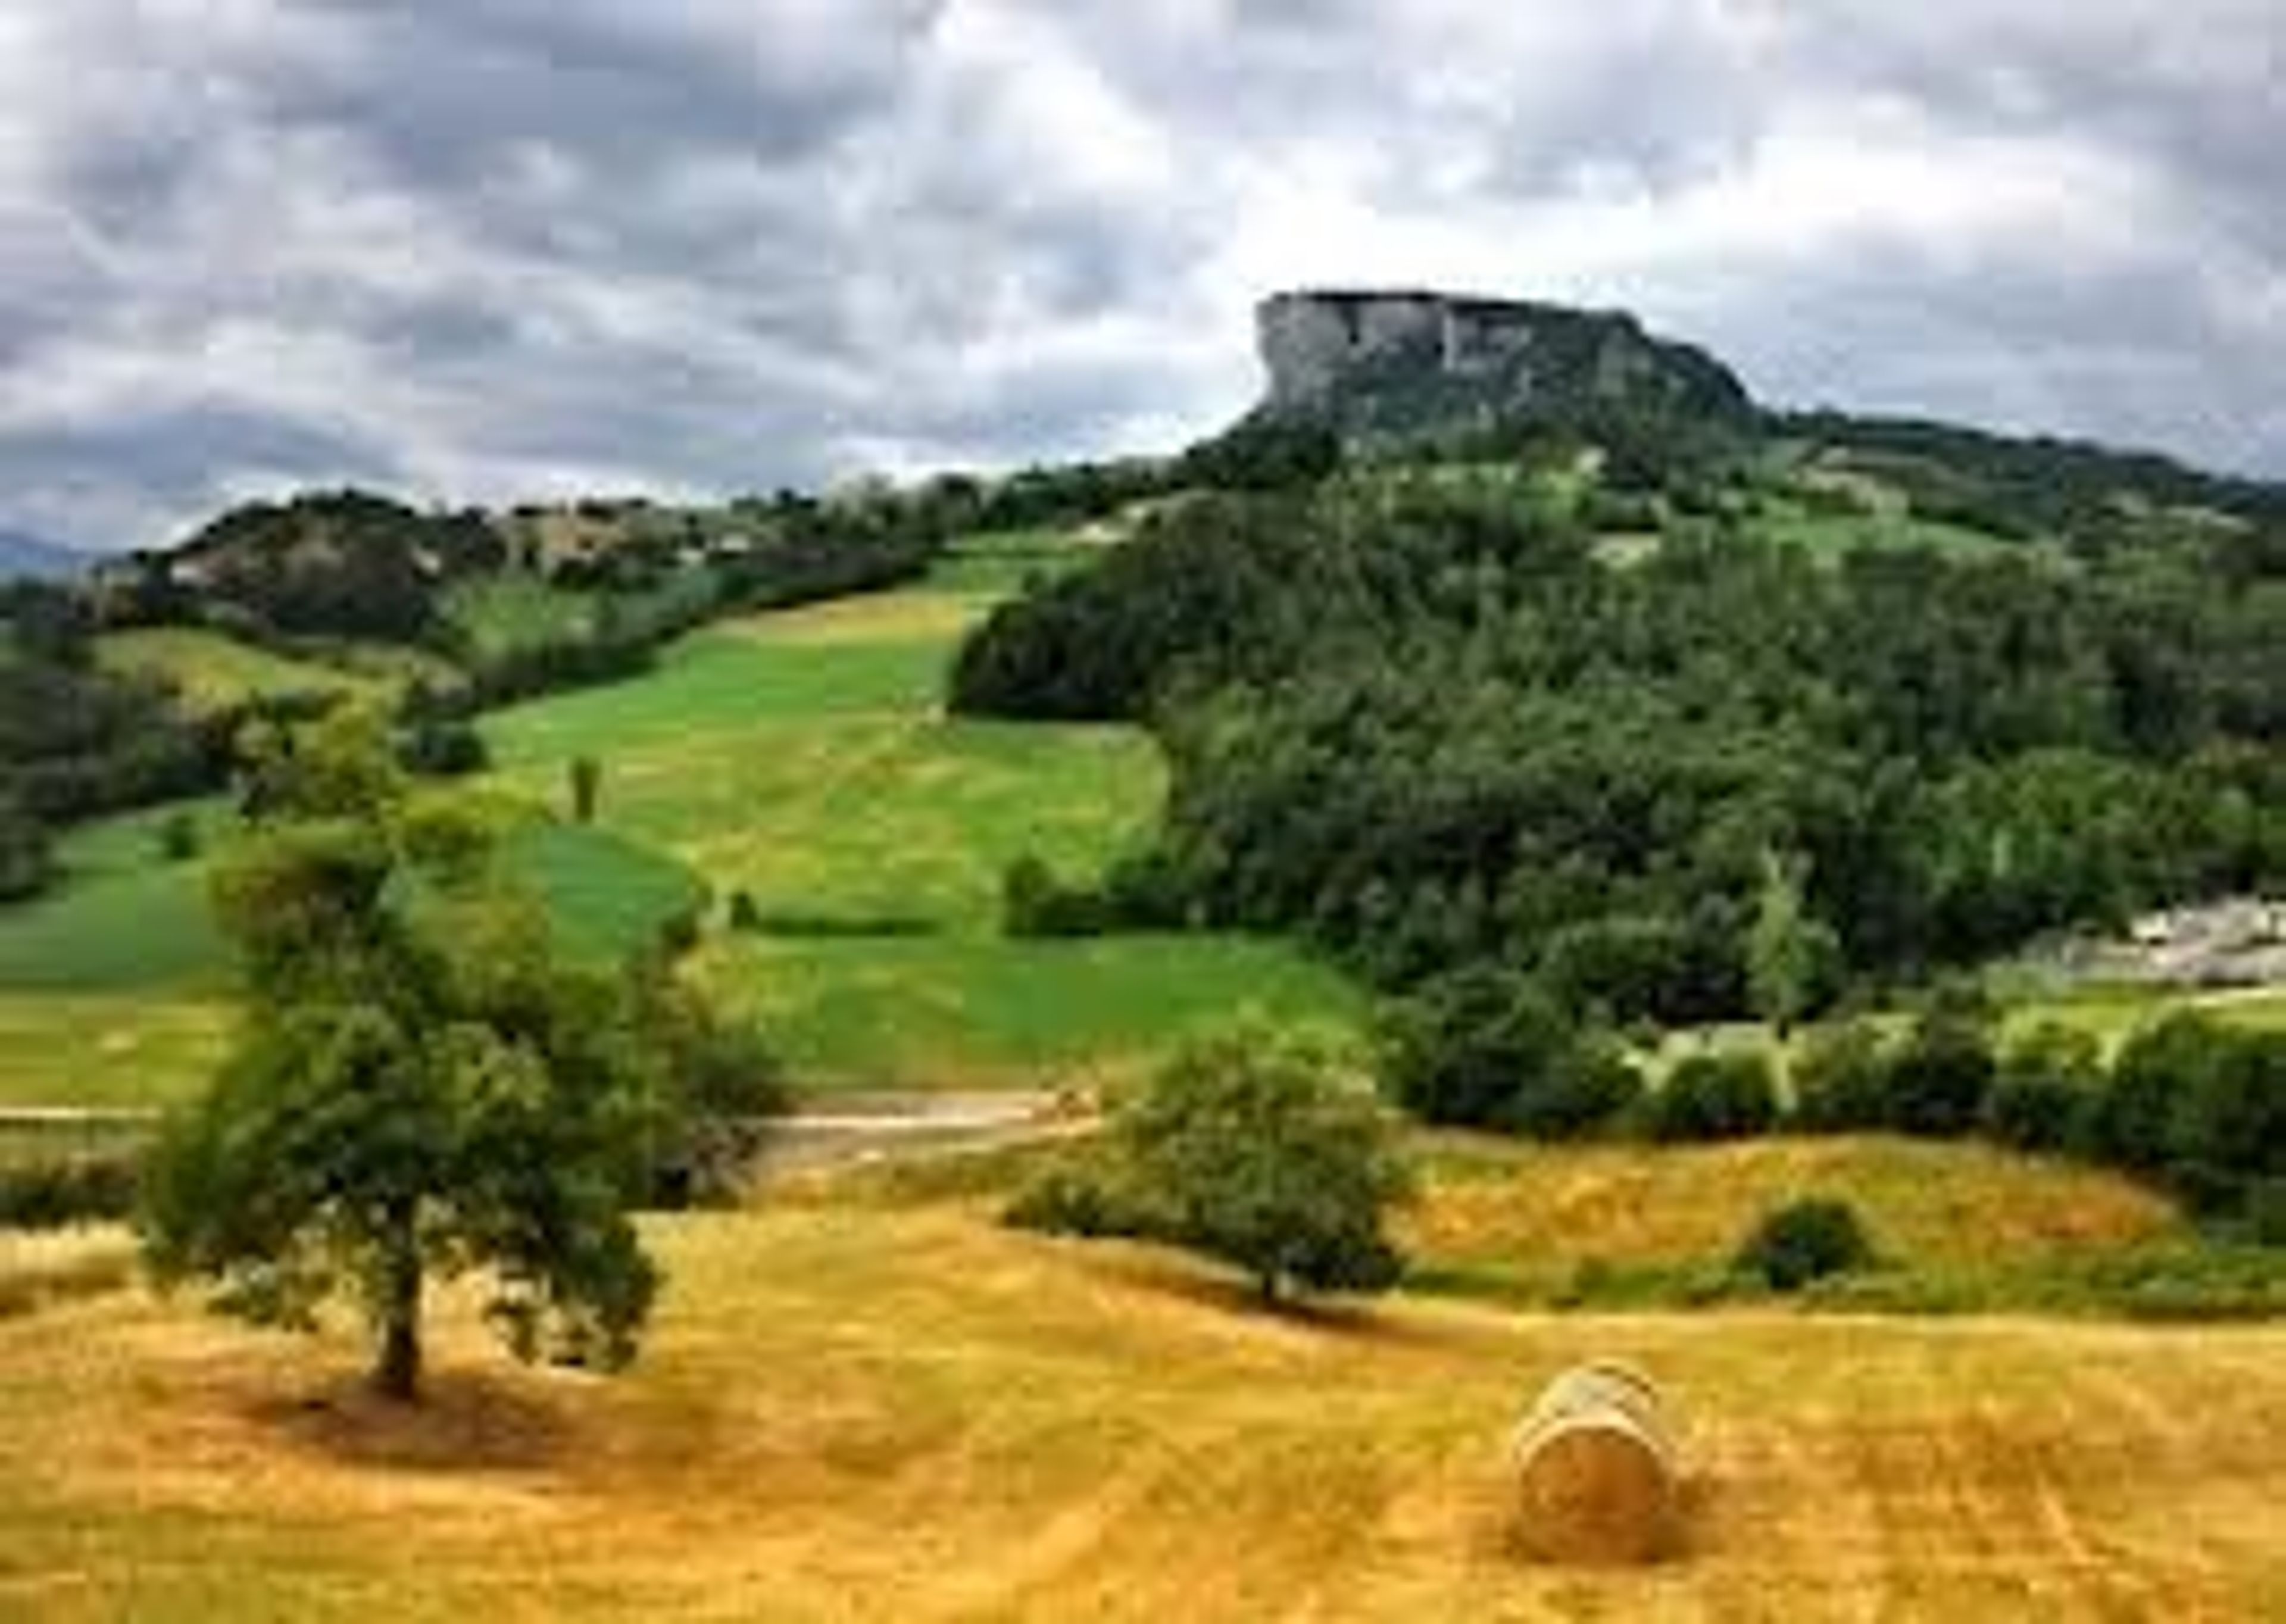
[28, 557]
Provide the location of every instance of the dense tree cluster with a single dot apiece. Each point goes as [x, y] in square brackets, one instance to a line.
[344, 563]
[1031, 498]
[1263, 452]
[2189, 1103]
[1429, 729]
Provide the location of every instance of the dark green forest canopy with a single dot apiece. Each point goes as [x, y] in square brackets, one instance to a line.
[1427, 727]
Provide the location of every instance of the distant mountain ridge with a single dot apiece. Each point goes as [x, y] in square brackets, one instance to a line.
[1395, 369]
[24, 556]
[1384, 364]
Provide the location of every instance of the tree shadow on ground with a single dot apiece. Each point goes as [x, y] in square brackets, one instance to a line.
[1351, 1318]
[463, 1422]
[779, 922]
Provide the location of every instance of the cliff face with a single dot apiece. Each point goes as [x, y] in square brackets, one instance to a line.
[1391, 364]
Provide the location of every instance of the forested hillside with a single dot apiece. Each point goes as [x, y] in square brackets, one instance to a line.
[1430, 725]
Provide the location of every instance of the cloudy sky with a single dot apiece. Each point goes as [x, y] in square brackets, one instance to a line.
[479, 249]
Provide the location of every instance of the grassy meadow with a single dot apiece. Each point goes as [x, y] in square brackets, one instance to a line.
[803, 759]
[1837, 533]
[114, 990]
[861, 1400]
[130, 921]
[213, 671]
[800, 757]
[498, 613]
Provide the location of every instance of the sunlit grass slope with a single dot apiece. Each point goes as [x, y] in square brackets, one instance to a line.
[803, 759]
[855, 1412]
[213, 671]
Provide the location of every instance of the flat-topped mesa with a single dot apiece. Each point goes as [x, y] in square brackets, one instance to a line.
[1398, 363]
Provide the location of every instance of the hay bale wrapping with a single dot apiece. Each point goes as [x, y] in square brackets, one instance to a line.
[1595, 1471]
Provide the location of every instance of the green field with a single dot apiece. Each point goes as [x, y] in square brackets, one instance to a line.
[1001, 563]
[128, 921]
[111, 1052]
[1836, 533]
[607, 897]
[497, 614]
[801, 758]
[955, 1008]
[114, 991]
[213, 672]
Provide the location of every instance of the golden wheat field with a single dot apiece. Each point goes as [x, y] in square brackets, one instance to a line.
[858, 1408]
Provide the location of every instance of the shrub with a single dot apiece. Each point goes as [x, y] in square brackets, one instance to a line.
[1485, 1047]
[2131, 1123]
[744, 915]
[1940, 1076]
[680, 931]
[178, 837]
[2048, 1082]
[1841, 1079]
[585, 777]
[726, 1087]
[1636, 967]
[442, 747]
[1146, 890]
[2225, 1132]
[1713, 1097]
[53, 1193]
[1804, 1240]
[1591, 1083]
[28, 864]
[2266, 1212]
[1073, 1198]
[1034, 902]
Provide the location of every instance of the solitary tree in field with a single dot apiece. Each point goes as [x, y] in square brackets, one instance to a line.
[1256, 1148]
[587, 775]
[419, 1092]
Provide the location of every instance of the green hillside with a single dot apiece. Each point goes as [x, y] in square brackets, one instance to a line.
[213, 671]
[802, 758]
[798, 757]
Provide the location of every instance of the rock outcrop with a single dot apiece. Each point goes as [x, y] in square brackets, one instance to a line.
[1395, 364]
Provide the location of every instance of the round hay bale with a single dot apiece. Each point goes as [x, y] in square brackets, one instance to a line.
[1596, 1470]
[1596, 1489]
[1594, 1389]
[1631, 1377]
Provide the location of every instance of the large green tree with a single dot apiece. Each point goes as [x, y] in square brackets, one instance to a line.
[421, 1091]
[1256, 1147]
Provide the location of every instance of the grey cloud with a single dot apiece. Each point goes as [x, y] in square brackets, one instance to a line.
[483, 248]
[181, 462]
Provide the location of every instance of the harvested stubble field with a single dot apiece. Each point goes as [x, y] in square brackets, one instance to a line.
[862, 1404]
